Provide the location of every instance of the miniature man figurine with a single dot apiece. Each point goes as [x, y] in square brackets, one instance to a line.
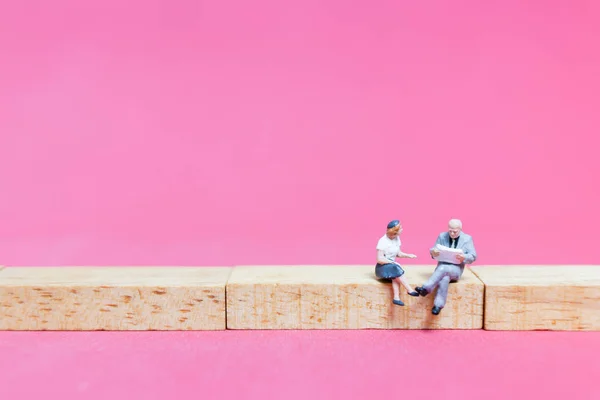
[388, 248]
[447, 272]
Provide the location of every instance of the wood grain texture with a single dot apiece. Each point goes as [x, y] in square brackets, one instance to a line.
[344, 297]
[541, 297]
[113, 298]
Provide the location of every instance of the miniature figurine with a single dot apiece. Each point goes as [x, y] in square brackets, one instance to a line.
[388, 248]
[447, 270]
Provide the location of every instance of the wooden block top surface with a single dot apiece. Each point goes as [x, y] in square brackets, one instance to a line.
[115, 276]
[329, 274]
[539, 275]
[295, 274]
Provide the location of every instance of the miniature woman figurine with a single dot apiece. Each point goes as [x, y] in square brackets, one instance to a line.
[388, 248]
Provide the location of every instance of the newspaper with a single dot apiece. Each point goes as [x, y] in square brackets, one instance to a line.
[447, 254]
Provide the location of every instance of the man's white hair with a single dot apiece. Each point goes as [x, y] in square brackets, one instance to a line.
[455, 223]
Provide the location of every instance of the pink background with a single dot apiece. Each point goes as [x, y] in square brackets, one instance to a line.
[290, 132]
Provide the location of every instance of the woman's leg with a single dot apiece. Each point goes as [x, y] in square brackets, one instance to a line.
[396, 288]
[407, 286]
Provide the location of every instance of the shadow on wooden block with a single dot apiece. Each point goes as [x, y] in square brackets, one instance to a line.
[344, 297]
[113, 298]
[522, 297]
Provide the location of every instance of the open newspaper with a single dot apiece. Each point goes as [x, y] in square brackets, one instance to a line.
[447, 254]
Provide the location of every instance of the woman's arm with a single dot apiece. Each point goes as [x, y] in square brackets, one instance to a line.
[381, 258]
[405, 255]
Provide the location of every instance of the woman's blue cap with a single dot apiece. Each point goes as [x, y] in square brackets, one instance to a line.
[393, 224]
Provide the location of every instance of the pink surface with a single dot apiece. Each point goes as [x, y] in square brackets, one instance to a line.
[290, 132]
[300, 365]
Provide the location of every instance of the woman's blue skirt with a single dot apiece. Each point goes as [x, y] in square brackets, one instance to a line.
[388, 271]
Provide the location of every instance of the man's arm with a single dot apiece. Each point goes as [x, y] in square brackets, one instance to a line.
[432, 250]
[470, 253]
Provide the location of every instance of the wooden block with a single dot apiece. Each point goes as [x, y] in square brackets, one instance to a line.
[344, 297]
[113, 298]
[541, 297]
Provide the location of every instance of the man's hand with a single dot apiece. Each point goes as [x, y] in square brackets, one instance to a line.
[411, 256]
[435, 253]
[460, 257]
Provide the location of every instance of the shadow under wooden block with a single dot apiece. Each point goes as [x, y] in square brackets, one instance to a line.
[113, 298]
[344, 297]
[526, 297]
